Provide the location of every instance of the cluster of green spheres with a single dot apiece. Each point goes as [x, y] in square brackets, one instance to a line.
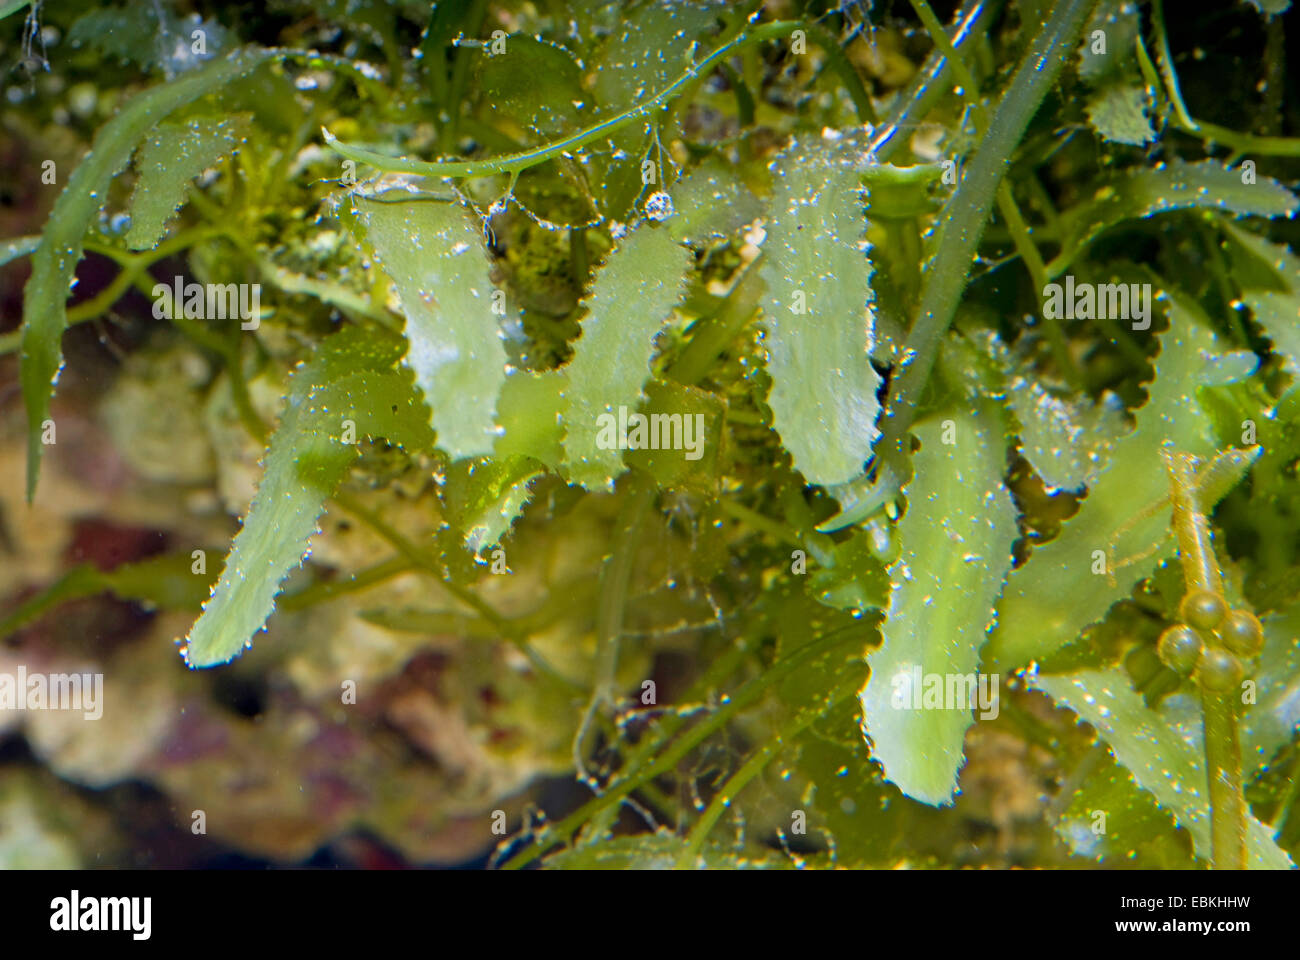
[1233, 635]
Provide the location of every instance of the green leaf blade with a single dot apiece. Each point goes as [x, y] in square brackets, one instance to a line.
[1160, 748]
[1142, 193]
[1057, 593]
[956, 551]
[817, 314]
[305, 462]
[433, 253]
[631, 300]
[1112, 820]
[1271, 721]
[172, 156]
[45, 312]
[1119, 113]
[485, 497]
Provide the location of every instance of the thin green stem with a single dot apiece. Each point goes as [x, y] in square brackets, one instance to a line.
[748, 694]
[1043, 200]
[929, 83]
[750, 769]
[257, 427]
[1222, 743]
[781, 532]
[614, 579]
[839, 62]
[1122, 337]
[135, 268]
[1028, 250]
[422, 559]
[1166, 63]
[1020, 233]
[712, 335]
[332, 589]
[425, 562]
[665, 728]
[1243, 143]
[460, 65]
[1210, 133]
[1221, 275]
[968, 210]
[1274, 80]
[744, 99]
[515, 162]
[1223, 767]
[944, 44]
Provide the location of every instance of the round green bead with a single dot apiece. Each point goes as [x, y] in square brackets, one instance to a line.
[1242, 633]
[1179, 648]
[1202, 609]
[1218, 671]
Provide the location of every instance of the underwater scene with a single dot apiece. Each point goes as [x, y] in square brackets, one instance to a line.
[649, 434]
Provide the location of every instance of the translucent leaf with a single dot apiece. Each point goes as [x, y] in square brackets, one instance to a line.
[852, 577]
[1138, 194]
[1119, 21]
[1282, 265]
[434, 254]
[1273, 481]
[149, 34]
[1279, 315]
[847, 797]
[45, 313]
[711, 201]
[12, 6]
[955, 541]
[172, 156]
[817, 313]
[485, 496]
[1051, 598]
[1111, 819]
[860, 498]
[1066, 440]
[529, 414]
[646, 51]
[349, 387]
[901, 193]
[1119, 113]
[690, 423]
[631, 300]
[1277, 311]
[534, 85]
[650, 49]
[1162, 750]
[1271, 721]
